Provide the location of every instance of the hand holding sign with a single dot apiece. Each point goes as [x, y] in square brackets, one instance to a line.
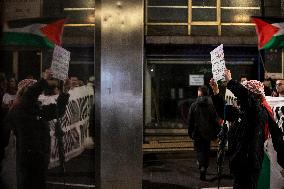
[60, 63]
[218, 63]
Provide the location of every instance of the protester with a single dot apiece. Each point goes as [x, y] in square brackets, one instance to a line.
[29, 119]
[74, 81]
[247, 131]
[3, 86]
[267, 87]
[280, 87]
[203, 127]
[10, 95]
[243, 78]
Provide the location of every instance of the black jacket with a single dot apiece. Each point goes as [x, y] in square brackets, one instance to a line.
[29, 119]
[246, 133]
[203, 119]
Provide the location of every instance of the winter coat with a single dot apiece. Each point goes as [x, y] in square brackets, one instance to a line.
[203, 119]
[246, 134]
[29, 119]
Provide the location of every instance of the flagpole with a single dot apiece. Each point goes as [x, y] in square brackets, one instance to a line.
[260, 62]
[282, 58]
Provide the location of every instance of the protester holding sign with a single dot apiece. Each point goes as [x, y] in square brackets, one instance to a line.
[247, 132]
[29, 120]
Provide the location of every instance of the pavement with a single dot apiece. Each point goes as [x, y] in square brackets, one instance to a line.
[172, 170]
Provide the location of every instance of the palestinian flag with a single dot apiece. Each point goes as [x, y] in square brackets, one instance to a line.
[271, 176]
[270, 31]
[39, 33]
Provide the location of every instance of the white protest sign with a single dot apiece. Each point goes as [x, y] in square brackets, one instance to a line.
[218, 63]
[60, 63]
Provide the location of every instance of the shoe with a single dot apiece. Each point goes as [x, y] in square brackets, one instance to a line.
[202, 173]
[203, 176]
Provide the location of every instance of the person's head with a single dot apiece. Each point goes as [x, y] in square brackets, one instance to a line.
[280, 87]
[243, 78]
[52, 88]
[12, 82]
[267, 83]
[74, 81]
[256, 87]
[12, 85]
[202, 91]
[91, 81]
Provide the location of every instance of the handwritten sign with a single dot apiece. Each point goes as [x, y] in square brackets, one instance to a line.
[218, 63]
[60, 63]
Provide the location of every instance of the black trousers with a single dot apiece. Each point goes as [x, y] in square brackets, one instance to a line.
[202, 148]
[244, 180]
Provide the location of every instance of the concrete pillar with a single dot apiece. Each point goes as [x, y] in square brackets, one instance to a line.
[119, 56]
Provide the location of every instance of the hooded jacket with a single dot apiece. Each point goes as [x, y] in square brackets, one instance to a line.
[203, 119]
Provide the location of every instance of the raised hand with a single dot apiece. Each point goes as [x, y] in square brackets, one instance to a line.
[214, 86]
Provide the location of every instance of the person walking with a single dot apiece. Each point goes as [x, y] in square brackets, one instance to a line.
[203, 127]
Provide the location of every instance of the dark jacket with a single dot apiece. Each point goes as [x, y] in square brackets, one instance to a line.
[203, 119]
[29, 119]
[246, 133]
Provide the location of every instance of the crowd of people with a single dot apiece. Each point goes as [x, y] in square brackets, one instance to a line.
[27, 118]
[251, 122]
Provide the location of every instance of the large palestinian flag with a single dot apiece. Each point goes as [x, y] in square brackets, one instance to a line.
[39, 33]
[270, 31]
[271, 173]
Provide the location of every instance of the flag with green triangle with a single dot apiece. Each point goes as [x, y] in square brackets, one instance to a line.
[270, 31]
[38, 33]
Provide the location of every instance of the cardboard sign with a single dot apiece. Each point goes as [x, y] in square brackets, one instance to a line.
[60, 63]
[218, 63]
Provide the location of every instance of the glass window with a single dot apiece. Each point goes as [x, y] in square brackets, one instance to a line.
[78, 3]
[238, 30]
[238, 15]
[203, 14]
[204, 30]
[273, 59]
[240, 3]
[86, 16]
[167, 15]
[204, 3]
[167, 30]
[167, 2]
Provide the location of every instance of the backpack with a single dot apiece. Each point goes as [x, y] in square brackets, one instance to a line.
[207, 120]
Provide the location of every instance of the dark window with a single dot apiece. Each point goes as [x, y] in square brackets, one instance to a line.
[167, 30]
[238, 15]
[238, 30]
[167, 15]
[167, 2]
[203, 14]
[204, 30]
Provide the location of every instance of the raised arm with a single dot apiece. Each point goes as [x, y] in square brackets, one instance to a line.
[245, 97]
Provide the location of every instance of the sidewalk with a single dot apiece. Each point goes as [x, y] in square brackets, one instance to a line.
[175, 170]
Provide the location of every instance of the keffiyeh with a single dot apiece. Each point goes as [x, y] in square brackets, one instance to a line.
[254, 86]
[25, 83]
